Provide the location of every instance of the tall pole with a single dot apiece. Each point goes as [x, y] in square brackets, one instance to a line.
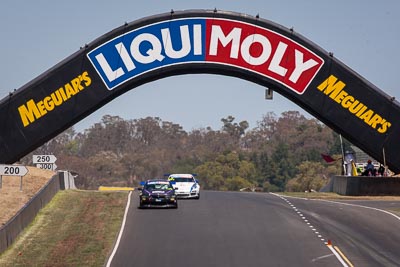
[384, 158]
[341, 146]
[384, 162]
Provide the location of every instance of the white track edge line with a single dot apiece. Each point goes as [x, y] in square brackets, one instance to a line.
[343, 203]
[338, 256]
[120, 231]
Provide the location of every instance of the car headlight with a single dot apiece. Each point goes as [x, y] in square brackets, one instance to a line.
[194, 188]
[144, 195]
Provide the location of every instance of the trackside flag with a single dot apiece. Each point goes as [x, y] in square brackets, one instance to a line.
[328, 158]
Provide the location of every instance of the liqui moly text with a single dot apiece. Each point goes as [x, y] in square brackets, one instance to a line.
[206, 40]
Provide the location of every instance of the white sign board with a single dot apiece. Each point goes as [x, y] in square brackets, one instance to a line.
[13, 170]
[47, 166]
[38, 159]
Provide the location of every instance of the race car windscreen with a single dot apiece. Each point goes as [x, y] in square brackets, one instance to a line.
[183, 180]
[158, 186]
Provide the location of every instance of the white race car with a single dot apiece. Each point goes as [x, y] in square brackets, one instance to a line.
[186, 186]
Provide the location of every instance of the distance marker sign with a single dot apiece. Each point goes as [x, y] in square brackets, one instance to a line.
[47, 166]
[13, 170]
[39, 159]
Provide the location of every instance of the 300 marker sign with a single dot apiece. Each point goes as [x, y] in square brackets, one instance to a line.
[47, 166]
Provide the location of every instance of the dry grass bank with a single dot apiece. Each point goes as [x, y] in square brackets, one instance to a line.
[12, 199]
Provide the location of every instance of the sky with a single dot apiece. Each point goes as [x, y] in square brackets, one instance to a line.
[36, 35]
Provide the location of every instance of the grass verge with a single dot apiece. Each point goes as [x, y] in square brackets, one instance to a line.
[77, 228]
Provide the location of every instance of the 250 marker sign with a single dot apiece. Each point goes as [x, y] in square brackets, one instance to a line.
[46, 162]
[40, 159]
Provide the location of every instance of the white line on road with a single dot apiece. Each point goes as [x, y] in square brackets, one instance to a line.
[361, 206]
[343, 203]
[322, 257]
[338, 256]
[120, 231]
[340, 259]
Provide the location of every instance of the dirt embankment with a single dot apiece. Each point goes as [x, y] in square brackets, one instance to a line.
[12, 199]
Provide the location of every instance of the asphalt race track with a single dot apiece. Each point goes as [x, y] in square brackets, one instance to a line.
[255, 229]
[368, 235]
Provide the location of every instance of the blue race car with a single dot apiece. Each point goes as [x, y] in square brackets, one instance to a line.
[157, 193]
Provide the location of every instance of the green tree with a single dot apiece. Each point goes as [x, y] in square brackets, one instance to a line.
[311, 176]
[282, 167]
[227, 172]
[236, 183]
[210, 175]
[234, 131]
[147, 148]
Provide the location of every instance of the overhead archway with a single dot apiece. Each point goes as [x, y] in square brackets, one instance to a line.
[201, 41]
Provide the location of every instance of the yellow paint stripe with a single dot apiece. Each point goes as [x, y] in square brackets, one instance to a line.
[343, 256]
[110, 188]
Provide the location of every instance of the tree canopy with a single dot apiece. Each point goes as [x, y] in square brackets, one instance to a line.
[280, 153]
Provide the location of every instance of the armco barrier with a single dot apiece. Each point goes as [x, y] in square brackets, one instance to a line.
[10, 231]
[366, 185]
